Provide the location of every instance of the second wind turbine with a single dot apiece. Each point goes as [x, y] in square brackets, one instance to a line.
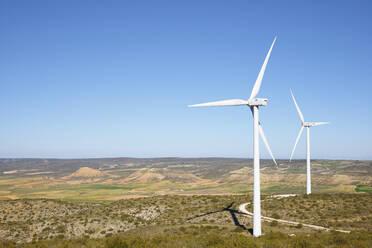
[253, 103]
[307, 125]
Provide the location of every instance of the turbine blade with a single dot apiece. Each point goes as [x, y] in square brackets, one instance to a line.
[298, 108]
[262, 134]
[263, 137]
[298, 137]
[320, 123]
[232, 102]
[257, 84]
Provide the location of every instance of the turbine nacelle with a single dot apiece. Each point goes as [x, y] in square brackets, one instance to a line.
[309, 124]
[313, 124]
[257, 102]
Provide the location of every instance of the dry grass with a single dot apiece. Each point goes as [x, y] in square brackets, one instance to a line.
[40, 219]
[343, 211]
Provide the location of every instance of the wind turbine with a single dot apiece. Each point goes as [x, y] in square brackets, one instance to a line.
[307, 125]
[254, 103]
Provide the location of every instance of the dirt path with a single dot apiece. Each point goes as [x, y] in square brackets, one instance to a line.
[242, 208]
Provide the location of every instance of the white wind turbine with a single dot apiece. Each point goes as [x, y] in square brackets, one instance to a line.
[253, 103]
[307, 125]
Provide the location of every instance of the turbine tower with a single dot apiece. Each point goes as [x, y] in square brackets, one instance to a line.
[254, 103]
[307, 125]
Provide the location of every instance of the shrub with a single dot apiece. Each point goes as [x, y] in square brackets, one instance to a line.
[238, 229]
[116, 242]
[274, 223]
[275, 216]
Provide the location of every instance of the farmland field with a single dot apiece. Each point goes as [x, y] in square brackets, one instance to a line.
[109, 179]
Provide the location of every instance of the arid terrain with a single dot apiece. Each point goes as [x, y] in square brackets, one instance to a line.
[173, 220]
[178, 202]
[121, 178]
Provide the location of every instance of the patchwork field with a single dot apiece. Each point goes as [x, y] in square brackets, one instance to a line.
[120, 178]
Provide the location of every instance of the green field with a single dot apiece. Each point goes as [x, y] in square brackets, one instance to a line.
[363, 188]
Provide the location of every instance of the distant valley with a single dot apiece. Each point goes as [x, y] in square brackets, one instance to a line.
[121, 178]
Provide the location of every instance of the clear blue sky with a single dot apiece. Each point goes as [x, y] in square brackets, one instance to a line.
[113, 78]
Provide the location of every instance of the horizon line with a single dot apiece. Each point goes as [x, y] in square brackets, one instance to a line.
[175, 157]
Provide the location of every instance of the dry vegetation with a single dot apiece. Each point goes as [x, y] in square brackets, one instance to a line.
[182, 218]
[38, 219]
[337, 211]
[188, 203]
[207, 238]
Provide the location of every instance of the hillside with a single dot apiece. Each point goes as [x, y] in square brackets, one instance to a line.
[86, 172]
[176, 216]
[191, 200]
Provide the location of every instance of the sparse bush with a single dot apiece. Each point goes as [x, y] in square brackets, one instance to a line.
[299, 225]
[274, 223]
[238, 229]
[116, 242]
[275, 216]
